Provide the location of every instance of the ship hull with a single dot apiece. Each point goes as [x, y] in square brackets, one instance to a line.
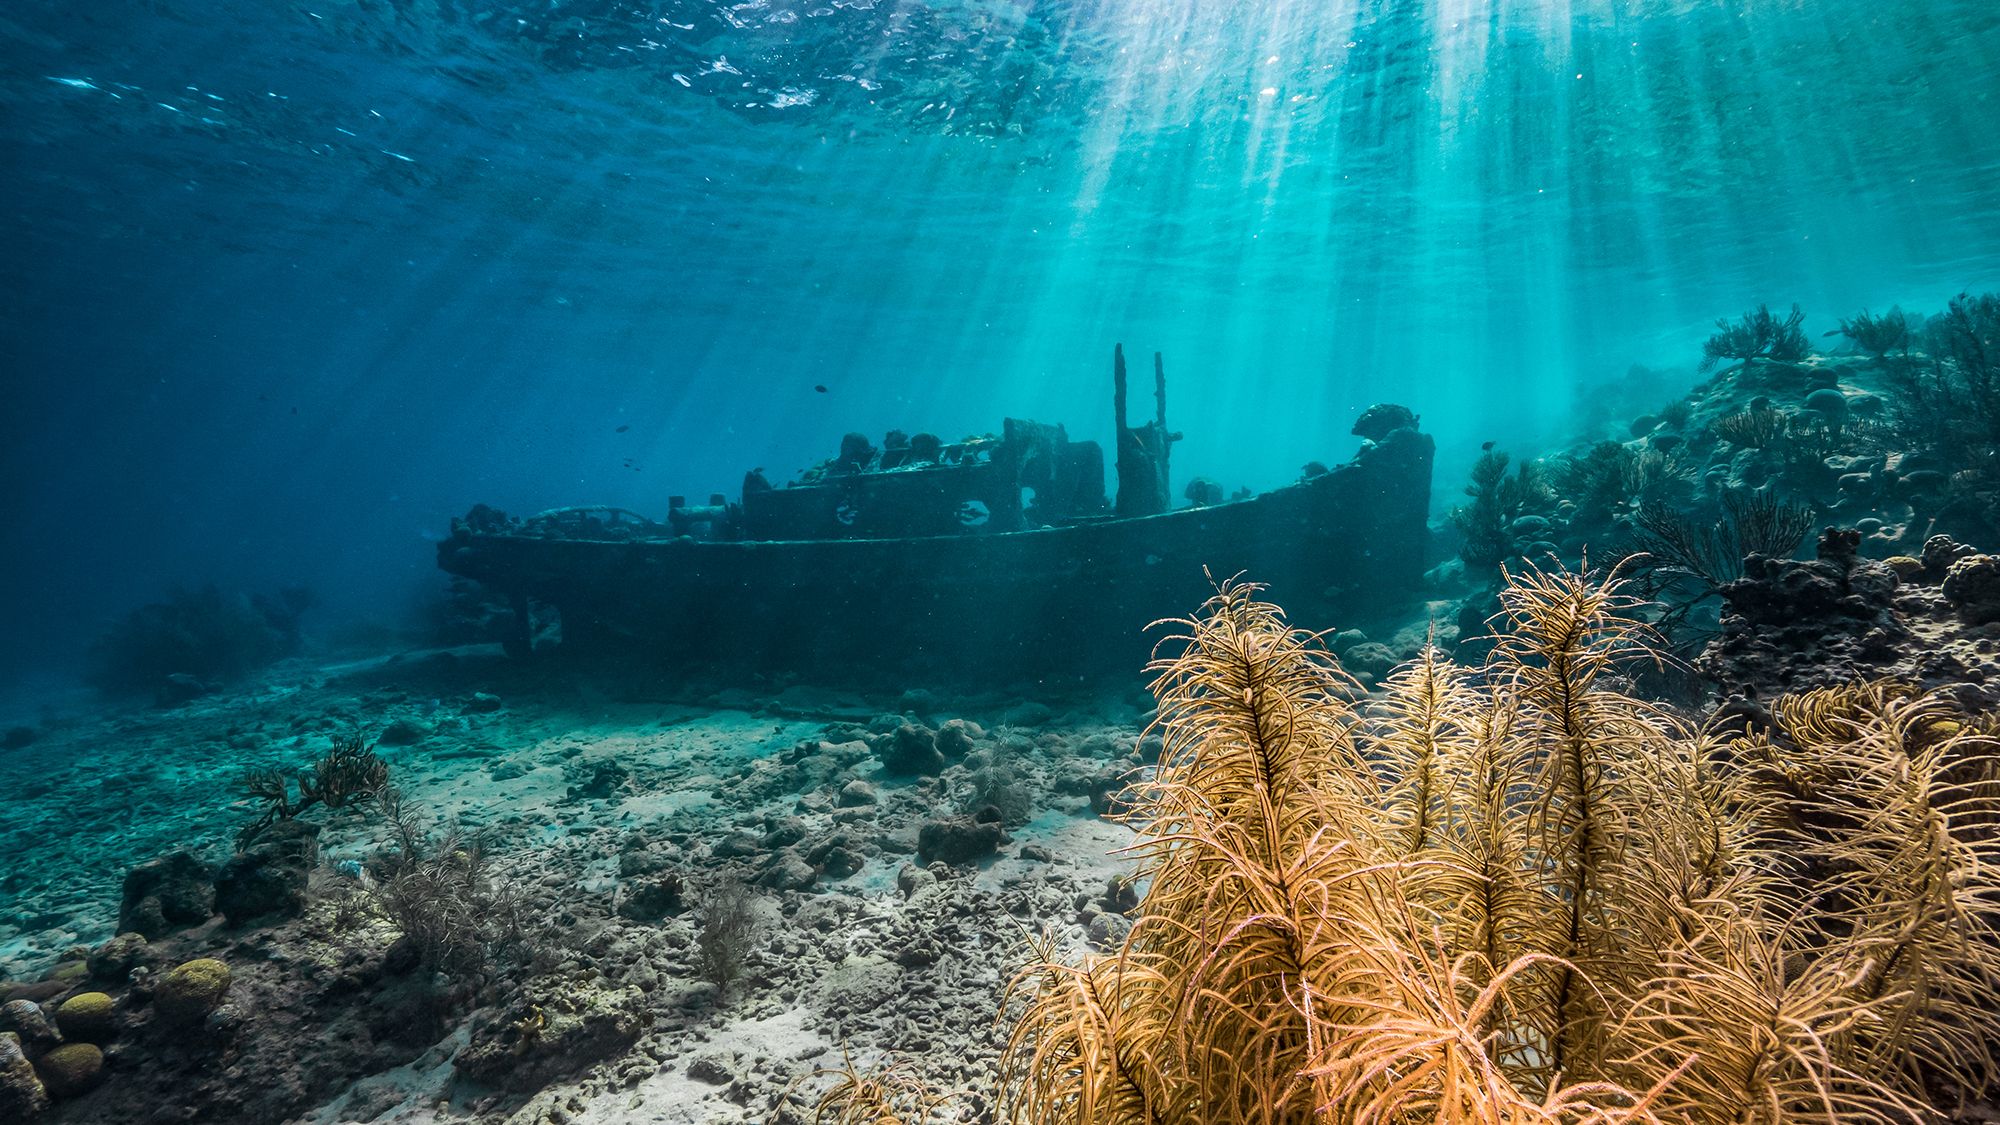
[1070, 602]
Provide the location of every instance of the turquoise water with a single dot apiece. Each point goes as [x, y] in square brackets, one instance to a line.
[288, 285]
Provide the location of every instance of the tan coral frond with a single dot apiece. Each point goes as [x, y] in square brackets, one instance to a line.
[1829, 718]
[1914, 881]
[1419, 732]
[1253, 714]
[1089, 1047]
[1755, 1034]
[1591, 751]
[1421, 1048]
[892, 1094]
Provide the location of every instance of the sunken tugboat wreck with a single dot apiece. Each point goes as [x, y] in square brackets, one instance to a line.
[932, 561]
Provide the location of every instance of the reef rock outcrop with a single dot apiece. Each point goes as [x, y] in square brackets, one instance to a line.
[562, 1034]
[22, 1095]
[1791, 625]
[960, 839]
[116, 958]
[911, 749]
[268, 881]
[166, 895]
[1384, 418]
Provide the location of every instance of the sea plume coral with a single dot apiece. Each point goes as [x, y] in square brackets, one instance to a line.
[890, 1095]
[1877, 335]
[349, 774]
[1760, 334]
[1707, 556]
[1683, 562]
[1516, 893]
[1964, 344]
[439, 893]
[1498, 499]
[1760, 427]
[1902, 803]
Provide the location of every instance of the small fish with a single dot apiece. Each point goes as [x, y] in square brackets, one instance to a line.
[820, 387]
[1487, 446]
[623, 428]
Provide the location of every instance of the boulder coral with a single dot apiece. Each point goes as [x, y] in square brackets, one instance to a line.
[91, 1017]
[71, 1069]
[26, 1019]
[1972, 586]
[188, 993]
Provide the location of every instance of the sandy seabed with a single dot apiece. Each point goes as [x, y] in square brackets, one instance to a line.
[583, 799]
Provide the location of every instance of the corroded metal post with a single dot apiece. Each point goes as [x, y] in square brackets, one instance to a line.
[1142, 450]
[1164, 443]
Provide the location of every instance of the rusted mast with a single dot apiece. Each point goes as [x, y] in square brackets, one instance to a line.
[1142, 450]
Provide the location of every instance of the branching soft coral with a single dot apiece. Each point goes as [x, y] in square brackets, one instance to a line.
[348, 774]
[1904, 810]
[1092, 1045]
[1423, 728]
[890, 1095]
[1514, 893]
[1760, 334]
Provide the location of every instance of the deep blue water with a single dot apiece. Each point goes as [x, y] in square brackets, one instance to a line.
[286, 285]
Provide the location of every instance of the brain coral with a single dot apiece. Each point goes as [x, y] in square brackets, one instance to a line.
[191, 991]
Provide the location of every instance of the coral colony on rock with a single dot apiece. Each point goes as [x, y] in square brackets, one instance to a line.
[1044, 775]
